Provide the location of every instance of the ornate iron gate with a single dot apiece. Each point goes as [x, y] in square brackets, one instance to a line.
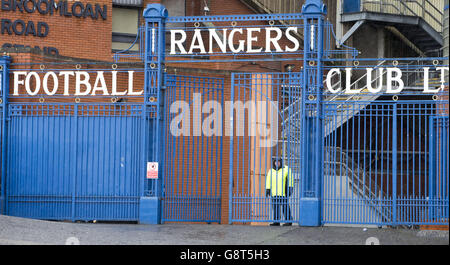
[438, 170]
[192, 185]
[383, 160]
[60, 154]
[68, 158]
[267, 121]
[366, 158]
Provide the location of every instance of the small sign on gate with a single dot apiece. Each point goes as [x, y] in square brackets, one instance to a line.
[152, 170]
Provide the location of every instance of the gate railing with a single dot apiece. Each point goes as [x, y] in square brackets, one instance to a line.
[341, 96]
[373, 196]
[130, 55]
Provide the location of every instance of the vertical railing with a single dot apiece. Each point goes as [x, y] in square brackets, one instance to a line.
[394, 165]
[446, 35]
[4, 89]
[231, 156]
[438, 188]
[155, 16]
[312, 116]
[75, 153]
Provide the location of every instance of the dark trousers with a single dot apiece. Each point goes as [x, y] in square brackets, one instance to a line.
[281, 203]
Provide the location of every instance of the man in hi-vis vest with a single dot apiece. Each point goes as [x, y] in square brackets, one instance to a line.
[280, 185]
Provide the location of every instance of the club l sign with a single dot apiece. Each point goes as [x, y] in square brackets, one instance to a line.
[393, 76]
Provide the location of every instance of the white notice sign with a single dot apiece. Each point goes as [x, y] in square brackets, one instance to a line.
[152, 170]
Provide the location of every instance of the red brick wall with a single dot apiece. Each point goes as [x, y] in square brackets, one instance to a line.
[86, 38]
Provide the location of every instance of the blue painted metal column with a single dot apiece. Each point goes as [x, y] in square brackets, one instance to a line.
[314, 12]
[4, 90]
[155, 16]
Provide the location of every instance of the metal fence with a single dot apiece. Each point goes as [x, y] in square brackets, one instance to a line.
[385, 156]
[266, 111]
[365, 159]
[192, 188]
[74, 162]
[73, 157]
[446, 34]
[382, 165]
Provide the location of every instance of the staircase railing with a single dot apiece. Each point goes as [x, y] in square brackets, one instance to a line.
[430, 10]
[413, 76]
[342, 99]
[290, 124]
[288, 108]
[374, 196]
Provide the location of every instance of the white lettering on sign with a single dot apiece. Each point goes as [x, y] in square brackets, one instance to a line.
[390, 78]
[85, 83]
[238, 40]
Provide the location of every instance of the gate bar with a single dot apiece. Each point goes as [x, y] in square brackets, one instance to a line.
[394, 164]
[312, 98]
[4, 90]
[230, 180]
[155, 16]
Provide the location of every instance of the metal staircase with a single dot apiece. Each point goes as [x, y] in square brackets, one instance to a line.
[360, 181]
[345, 110]
[344, 107]
[419, 21]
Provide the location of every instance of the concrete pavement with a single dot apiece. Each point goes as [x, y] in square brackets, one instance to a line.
[21, 231]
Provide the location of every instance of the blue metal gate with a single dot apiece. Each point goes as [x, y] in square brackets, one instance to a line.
[381, 166]
[438, 169]
[266, 114]
[192, 186]
[365, 158]
[69, 159]
[76, 162]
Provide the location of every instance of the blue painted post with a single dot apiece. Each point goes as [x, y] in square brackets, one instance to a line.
[394, 165]
[155, 16]
[230, 182]
[4, 90]
[314, 12]
[431, 168]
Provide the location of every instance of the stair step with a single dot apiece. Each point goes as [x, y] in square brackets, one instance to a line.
[421, 84]
[341, 98]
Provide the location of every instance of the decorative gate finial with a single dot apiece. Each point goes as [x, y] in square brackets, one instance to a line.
[156, 11]
[314, 7]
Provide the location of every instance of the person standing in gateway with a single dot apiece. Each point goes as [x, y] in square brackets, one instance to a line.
[279, 186]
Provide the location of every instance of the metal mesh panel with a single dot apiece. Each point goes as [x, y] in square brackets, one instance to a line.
[379, 163]
[193, 179]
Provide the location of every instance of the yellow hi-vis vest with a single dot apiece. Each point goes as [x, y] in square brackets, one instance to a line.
[277, 179]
